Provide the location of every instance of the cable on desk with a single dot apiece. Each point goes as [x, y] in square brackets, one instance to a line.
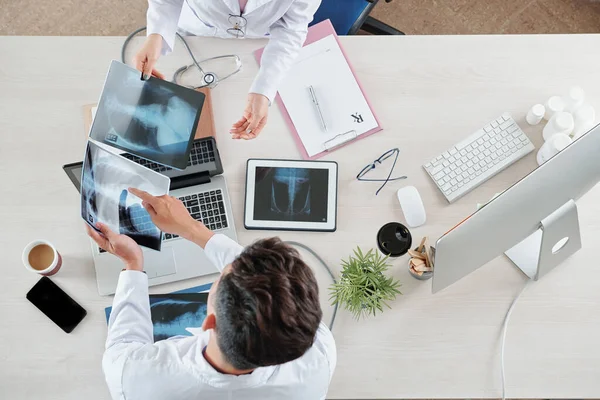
[504, 328]
[311, 251]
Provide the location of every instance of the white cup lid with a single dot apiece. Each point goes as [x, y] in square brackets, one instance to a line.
[556, 104]
[563, 121]
[560, 141]
[538, 110]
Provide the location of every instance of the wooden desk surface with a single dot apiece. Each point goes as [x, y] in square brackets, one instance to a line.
[429, 92]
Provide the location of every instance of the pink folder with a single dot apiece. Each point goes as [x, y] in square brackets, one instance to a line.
[316, 32]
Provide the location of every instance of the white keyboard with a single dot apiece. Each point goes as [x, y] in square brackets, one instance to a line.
[476, 159]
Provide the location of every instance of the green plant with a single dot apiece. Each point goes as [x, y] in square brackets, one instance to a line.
[363, 288]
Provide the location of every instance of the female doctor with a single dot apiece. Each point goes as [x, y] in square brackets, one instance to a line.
[284, 22]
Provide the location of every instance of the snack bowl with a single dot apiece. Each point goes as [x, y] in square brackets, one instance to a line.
[426, 274]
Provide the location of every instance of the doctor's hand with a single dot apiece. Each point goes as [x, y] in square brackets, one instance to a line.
[254, 118]
[146, 58]
[168, 213]
[121, 246]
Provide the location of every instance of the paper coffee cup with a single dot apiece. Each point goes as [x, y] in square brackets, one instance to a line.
[41, 257]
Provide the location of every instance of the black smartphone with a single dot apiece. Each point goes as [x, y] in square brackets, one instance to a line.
[56, 304]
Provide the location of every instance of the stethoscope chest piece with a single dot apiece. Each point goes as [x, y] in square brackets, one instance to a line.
[209, 79]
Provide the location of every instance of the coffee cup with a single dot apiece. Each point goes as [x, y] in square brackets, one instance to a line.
[41, 257]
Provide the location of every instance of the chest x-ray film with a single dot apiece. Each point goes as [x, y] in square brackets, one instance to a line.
[153, 119]
[104, 196]
[292, 195]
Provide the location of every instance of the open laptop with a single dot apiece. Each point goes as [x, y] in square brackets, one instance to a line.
[203, 190]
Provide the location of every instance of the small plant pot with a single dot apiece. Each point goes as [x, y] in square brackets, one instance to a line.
[363, 287]
[424, 277]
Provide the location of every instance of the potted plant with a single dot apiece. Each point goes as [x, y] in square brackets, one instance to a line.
[363, 288]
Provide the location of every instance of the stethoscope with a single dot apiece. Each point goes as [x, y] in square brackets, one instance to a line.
[209, 79]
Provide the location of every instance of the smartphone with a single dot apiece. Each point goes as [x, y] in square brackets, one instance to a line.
[56, 304]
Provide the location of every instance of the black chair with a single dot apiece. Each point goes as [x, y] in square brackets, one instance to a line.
[348, 16]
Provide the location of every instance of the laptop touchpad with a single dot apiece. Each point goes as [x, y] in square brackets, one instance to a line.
[159, 263]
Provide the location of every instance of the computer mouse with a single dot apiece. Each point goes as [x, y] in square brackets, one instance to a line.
[412, 206]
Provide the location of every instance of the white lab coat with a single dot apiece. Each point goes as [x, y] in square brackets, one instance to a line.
[285, 22]
[138, 369]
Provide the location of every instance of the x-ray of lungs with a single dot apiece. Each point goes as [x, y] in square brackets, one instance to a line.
[104, 196]
[153, 119]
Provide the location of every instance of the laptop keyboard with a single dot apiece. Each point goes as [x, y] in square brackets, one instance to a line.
[202, 152]
[207, 207]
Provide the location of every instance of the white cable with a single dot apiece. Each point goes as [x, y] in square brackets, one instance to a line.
[504, 328]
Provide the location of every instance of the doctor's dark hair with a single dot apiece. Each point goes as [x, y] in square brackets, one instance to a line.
[267, 306]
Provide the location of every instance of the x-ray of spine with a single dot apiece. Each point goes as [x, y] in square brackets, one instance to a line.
[172, 317]
[290, 192]
[175, 314]
[105, 198]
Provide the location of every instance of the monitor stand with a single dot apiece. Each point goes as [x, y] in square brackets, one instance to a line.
[557, 238]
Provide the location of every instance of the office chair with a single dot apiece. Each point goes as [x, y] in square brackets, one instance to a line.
[348, 16]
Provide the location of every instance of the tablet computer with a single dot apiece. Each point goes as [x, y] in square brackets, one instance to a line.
[291, 195]
[153, 119]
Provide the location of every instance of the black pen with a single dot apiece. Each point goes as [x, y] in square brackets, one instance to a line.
[143, 68]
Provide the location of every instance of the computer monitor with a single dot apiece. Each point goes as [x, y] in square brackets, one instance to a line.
[534, 222]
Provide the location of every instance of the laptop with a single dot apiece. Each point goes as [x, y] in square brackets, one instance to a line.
[202, 188]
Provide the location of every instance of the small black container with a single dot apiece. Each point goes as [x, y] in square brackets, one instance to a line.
[394, 239]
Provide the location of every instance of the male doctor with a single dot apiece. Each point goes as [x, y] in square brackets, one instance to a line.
[262, 338]
[284, 22]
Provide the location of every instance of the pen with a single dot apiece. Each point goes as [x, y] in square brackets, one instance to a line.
[313, 95]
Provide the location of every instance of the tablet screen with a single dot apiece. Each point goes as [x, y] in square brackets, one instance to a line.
[291, 194]
[153, 119]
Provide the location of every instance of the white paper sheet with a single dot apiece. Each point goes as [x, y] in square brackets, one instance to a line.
[323, 66]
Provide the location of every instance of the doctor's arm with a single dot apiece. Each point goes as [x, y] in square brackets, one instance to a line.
[130, 324]
[287, 36]
[286, 40]
[161, 25]
[170, 215]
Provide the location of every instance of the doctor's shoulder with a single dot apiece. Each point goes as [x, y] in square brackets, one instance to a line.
[162, 369]
[316, 366]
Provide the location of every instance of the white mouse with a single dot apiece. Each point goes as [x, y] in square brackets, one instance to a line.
[412, 206]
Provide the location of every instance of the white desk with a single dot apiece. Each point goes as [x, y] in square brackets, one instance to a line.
[429, 92]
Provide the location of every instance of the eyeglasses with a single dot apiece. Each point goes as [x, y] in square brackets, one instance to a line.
[373, 165]
[238, 23]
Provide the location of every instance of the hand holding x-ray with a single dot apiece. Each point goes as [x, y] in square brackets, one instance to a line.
[121, 246]
[105, 198]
